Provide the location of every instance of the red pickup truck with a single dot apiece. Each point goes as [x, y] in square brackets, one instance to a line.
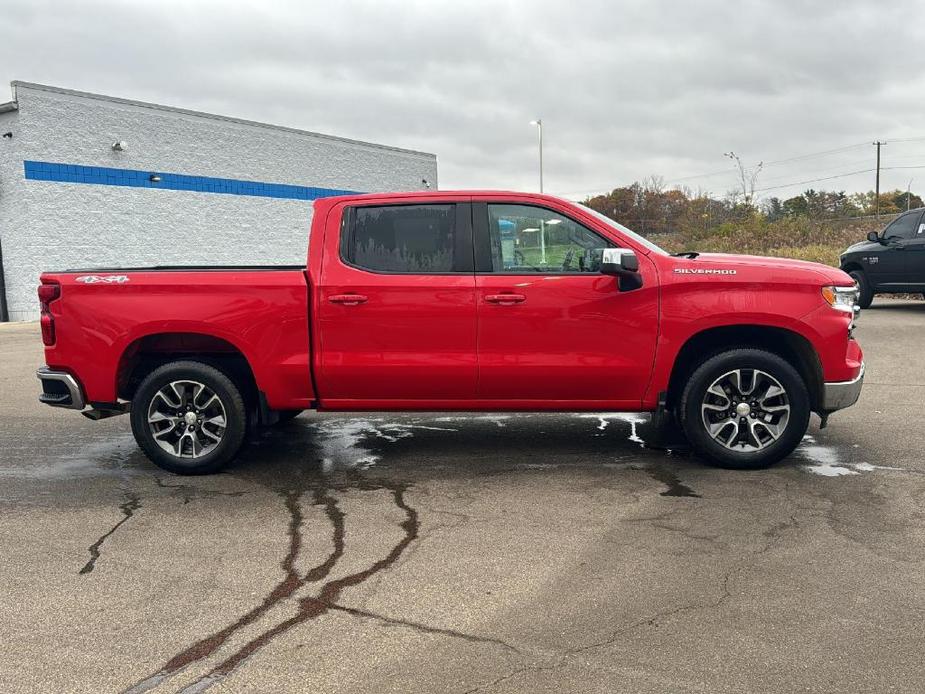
[472, 301]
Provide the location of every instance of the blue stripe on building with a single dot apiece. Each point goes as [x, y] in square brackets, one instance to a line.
[97, 175]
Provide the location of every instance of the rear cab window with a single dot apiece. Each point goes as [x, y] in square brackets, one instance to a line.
[425, 239]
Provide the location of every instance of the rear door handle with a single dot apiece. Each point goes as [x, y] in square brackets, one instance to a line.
[348, 299]
[505, 299]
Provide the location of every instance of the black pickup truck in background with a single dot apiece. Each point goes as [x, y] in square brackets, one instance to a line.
[891, 261]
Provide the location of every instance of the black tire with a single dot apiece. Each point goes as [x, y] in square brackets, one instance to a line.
[695, 395]
[233, 413]
[866, 294]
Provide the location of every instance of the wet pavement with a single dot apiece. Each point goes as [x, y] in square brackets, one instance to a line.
[455, 553]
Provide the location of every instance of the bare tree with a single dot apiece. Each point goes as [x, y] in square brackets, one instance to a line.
[747, 177]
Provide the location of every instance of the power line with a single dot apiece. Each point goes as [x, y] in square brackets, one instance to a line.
[815, 154]
[813, 180]
[800, 157]
[842, 175]
[727, 172]
[604, 189]
[816, 171]
[908, 139]
[890, 168]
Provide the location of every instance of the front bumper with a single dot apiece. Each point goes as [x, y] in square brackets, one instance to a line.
[838, 395]
[60, 389]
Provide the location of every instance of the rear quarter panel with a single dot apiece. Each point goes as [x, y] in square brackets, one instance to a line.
[264, 314]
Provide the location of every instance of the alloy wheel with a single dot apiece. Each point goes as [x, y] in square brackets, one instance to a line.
[745, 410]
[187, 419]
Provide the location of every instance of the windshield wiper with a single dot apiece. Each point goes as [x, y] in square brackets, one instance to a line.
[686, 254]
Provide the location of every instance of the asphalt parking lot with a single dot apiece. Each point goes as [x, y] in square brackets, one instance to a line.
[454, 553]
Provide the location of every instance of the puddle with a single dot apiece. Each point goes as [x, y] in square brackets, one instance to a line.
[341, 441]
[499, 420]
[605, 418]
[91, 459]
[827, 460]
[675, 487]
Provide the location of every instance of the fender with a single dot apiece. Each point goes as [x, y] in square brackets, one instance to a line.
[671, 341]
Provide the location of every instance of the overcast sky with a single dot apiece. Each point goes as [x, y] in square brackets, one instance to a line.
[625, 89]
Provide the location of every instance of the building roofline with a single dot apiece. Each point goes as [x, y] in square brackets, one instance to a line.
[202, 114]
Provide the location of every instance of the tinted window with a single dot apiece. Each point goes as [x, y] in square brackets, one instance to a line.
[403, 238]
[526, 239]
[903, 228]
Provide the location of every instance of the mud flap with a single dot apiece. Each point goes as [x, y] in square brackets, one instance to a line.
[663, 431]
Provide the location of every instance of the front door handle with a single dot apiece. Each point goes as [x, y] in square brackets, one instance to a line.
[505, 299]
[348, 299]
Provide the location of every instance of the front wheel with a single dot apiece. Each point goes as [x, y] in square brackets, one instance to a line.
[865, 292]
[745, 409]
[189, 418]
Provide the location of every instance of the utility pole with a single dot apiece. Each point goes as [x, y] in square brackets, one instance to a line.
[909, 194]
[878, 145]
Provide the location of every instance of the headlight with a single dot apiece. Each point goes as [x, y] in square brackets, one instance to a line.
[841, 298]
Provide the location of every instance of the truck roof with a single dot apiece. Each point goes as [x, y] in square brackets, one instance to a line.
[442, 194]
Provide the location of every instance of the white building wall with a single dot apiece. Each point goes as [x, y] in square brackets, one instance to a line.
[53, 225]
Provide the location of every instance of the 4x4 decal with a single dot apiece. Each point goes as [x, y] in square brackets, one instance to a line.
[106, 279]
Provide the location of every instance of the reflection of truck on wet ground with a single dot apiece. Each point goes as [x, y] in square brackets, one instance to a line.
[471, 301]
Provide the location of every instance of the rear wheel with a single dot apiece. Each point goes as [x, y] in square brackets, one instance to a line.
[865, 293]
[745, 409]
[189, 418]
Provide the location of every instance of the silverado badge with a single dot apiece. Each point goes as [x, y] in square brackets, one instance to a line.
[703, 271]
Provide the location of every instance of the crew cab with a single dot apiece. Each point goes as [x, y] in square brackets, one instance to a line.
[889, 261]
[469, 301]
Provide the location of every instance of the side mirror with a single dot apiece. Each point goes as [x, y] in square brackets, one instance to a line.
[619, 261]
[624, 265]
[873, 237]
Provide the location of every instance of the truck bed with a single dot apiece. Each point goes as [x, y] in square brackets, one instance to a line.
[187, 268]
[106, 324]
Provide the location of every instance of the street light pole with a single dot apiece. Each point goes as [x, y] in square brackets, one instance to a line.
[539, 126]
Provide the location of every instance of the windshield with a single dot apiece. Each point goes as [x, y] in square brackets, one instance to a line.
[623, 230]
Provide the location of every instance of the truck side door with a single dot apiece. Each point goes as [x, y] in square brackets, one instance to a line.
[395, 308]
[915, 258]
[553, 331]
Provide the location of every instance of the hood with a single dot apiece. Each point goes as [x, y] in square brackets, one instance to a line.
[814, 270]
[863, 247]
